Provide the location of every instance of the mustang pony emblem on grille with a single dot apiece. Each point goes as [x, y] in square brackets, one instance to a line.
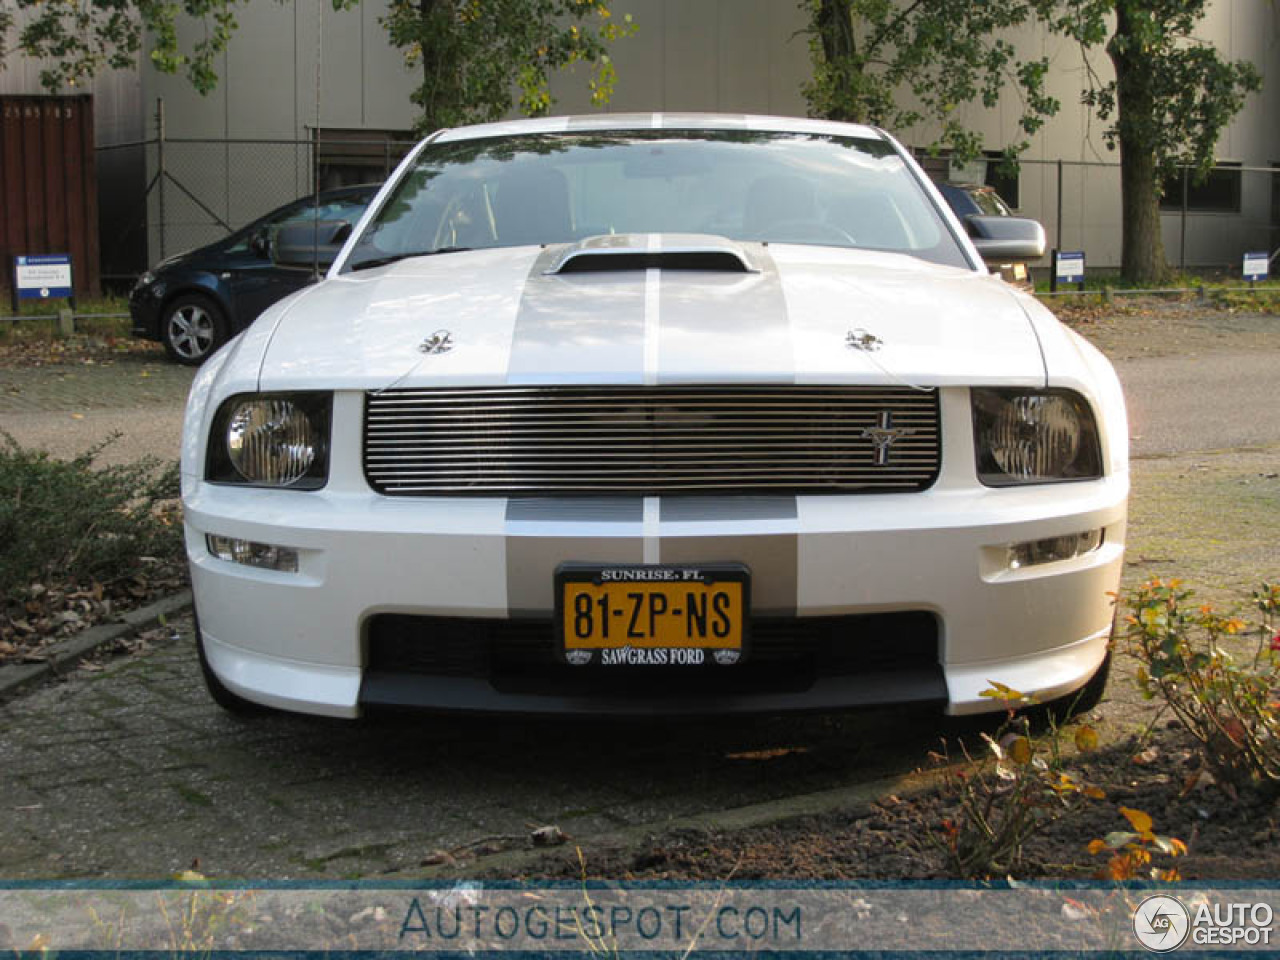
[885, 435]
[439, 342]
[862, 340]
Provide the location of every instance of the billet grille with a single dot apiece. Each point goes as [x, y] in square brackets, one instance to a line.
[553, 441]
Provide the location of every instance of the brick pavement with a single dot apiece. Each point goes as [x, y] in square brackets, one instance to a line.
[129, 382]
[69, 409]
[130, 771]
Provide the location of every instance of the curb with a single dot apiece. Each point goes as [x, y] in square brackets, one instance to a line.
[64, 655]
[856, 800]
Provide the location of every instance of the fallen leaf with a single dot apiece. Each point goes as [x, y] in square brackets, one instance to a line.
[1020, 750]
[770, 754]
[1147, 757]
[548, 836]
[1139, 820]
[1086, 738]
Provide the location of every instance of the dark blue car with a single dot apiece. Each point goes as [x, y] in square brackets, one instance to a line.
[195, 302]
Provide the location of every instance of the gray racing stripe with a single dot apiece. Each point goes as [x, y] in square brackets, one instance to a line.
[726, 509]
[729, 326]
[773, 559]
[587, 529]
[532, 562]
[578, 327]
[575, 510]
[590, 327]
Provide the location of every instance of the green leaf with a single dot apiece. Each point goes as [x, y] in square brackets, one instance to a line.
[1118, 839]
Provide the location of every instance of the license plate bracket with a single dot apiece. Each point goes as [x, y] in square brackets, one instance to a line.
[652, 614]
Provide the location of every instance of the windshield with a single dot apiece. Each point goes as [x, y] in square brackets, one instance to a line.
[744, 185]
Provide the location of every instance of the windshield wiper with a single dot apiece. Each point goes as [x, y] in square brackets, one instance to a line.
[392, 258]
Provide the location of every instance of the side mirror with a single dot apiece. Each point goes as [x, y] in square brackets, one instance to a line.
[1006, 239]
[304, 245]
[260, 245]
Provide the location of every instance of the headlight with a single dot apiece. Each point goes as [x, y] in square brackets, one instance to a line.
[271, 440]
[1034, 436]
[146, 280]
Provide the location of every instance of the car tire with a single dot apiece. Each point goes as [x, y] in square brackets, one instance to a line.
[192, 327]
[228, 701]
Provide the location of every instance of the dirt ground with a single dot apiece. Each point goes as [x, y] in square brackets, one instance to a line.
[901, 838]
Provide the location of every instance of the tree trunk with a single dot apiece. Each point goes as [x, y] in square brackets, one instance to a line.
[834, 24]
[1142, 258]
[835, 27]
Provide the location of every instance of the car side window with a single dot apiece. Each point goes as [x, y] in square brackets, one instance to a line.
[348, 209]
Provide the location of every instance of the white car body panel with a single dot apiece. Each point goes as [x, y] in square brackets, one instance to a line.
[298, 640]
[364, 332]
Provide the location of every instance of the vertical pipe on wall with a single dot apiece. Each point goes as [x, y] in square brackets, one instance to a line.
[1059, 221]
[161, 175]
[1182, 253]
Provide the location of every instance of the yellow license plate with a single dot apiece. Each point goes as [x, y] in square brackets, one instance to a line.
[652, 607]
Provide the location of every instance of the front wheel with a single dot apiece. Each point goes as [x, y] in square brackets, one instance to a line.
[191, 328]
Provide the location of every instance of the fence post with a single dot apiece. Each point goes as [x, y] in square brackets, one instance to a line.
[161, 175]
[1059, 244]
[66, 322]
[1182, 252]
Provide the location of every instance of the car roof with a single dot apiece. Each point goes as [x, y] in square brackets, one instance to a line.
[657, 121]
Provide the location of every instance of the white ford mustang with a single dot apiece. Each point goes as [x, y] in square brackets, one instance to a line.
[656, 414]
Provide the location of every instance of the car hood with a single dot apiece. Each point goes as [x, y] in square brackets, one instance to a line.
[796, 314]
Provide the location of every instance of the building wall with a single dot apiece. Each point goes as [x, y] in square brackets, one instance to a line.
[717, 55]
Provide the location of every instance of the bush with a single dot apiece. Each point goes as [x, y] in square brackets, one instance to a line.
[68, 521]
[1015, 788]
[1229, 702]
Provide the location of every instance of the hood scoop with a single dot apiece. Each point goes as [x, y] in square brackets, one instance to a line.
[654, 251]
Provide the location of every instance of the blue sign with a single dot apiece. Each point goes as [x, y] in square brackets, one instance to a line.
[43, 276]
[1070, 266]
[1255, 266]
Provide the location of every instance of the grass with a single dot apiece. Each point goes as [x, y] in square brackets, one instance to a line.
[50, 308]
[1219, 283]
[44, 329]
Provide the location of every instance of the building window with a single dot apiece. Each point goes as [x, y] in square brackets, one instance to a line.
[351, 157]
[988, 170]
[1219, 192]
[1003, 179]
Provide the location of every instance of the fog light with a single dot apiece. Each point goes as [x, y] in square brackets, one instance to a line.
[251, 554]
[1035, 552]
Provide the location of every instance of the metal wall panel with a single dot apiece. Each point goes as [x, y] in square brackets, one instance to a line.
[48, 186]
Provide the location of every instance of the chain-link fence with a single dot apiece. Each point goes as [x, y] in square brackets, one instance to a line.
[160, 197]
[1208, 222]
[163, 196]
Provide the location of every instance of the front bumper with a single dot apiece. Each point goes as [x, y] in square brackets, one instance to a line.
[300, 640]
[144, 310]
